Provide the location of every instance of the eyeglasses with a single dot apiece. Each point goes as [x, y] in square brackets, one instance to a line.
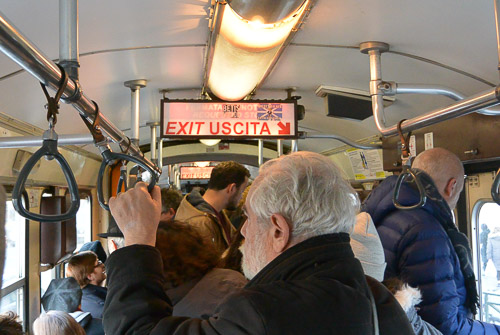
[99, 263]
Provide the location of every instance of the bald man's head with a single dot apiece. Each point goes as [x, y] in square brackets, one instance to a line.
[445, 169]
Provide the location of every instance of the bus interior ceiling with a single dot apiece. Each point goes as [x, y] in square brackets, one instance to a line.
[446, 50]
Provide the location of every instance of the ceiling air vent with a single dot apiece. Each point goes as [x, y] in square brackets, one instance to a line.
[347, 103]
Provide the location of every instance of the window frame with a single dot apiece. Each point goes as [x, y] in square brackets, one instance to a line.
[22, 283]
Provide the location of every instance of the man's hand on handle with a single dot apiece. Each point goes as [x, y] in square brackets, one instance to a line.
[137, 214]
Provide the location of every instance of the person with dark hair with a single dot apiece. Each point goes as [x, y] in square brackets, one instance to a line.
[65, 295]
[9, 324]
[194, 285]
[304, 278]
[170, 201]
[90, 273]
[227, 182]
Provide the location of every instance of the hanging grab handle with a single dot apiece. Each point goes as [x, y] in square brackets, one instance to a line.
[421, 190]
[122, 181]
[494, 188]
[407, 171]
[109, 156]
[48, 149]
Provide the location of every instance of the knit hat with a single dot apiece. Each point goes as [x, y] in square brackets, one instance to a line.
[62, 295]
[367, 247]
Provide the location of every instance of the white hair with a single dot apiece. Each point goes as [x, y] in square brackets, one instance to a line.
[57, 323]
[309, 191]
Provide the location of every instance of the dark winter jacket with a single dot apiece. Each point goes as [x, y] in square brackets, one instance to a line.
[315, 287]
[93, 297]
[92, 326]
[200, 297]
[195, 211]
[419, 252]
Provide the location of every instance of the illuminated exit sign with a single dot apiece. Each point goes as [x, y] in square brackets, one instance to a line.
[195, 172]
[242, 119]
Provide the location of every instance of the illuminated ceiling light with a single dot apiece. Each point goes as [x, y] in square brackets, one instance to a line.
[201, 164]
[247, 38]
[210, 142]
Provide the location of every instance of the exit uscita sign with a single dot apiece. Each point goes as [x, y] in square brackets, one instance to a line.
[243, 119]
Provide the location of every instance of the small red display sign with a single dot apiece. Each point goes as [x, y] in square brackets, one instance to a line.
[195, 172]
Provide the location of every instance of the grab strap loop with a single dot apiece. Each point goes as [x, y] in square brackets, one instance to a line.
[53, 102]
[406, 172]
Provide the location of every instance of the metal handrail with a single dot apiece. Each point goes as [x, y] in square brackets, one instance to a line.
[407, 171]
[495, 193]
[49, 150]
[107, 158]
[18, 48]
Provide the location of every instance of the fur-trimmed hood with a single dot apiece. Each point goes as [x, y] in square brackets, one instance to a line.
[408, 297]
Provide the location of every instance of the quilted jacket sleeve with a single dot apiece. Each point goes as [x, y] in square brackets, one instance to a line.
[427, 261]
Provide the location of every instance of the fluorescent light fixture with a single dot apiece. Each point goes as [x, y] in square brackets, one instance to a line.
[210, 142]
[201, 164]
[244, 50]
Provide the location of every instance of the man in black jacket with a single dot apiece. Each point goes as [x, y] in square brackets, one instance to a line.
[304, 277]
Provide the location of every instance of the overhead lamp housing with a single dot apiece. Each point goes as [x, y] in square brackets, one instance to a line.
[247, 38]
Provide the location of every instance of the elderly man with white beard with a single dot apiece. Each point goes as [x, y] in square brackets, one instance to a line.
[304, 277]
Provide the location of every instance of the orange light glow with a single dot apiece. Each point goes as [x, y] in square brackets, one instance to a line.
[255, 35]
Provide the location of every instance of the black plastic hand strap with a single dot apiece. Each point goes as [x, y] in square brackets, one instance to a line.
[494, 188]
[49, 148]
[107, 157]
[122, 181]
[53, 103]
[408, 172]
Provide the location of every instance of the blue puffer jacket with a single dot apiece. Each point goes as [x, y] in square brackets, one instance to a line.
[419, 252]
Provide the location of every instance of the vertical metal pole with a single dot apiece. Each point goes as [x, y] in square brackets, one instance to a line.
[295, 145]
[497, 8]
[68, 37]
[261, 152]
[135, 86]
[153, 145]
[279, 145]
[160, 154]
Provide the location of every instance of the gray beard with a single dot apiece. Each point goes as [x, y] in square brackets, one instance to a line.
[253, 261]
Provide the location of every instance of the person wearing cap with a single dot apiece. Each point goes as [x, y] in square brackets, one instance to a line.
[90, 273]
[368, 249]
[65, 295]
[113, 235]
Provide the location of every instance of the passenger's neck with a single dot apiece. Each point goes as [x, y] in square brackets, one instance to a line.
[215, 199]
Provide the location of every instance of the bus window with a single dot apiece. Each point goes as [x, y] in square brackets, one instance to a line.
[13, 281]
[488, 251]
[83, 235]
[84, 221]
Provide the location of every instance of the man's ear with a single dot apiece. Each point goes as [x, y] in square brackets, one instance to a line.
[231, 188]
[281, 233]
[450, 187]
[171, 212]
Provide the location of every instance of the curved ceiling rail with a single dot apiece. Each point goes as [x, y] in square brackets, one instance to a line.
[482, 100]
[345, 140]
[18, 48]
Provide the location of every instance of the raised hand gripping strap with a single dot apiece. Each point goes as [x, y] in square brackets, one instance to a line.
[49, 148]
[107, 157]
